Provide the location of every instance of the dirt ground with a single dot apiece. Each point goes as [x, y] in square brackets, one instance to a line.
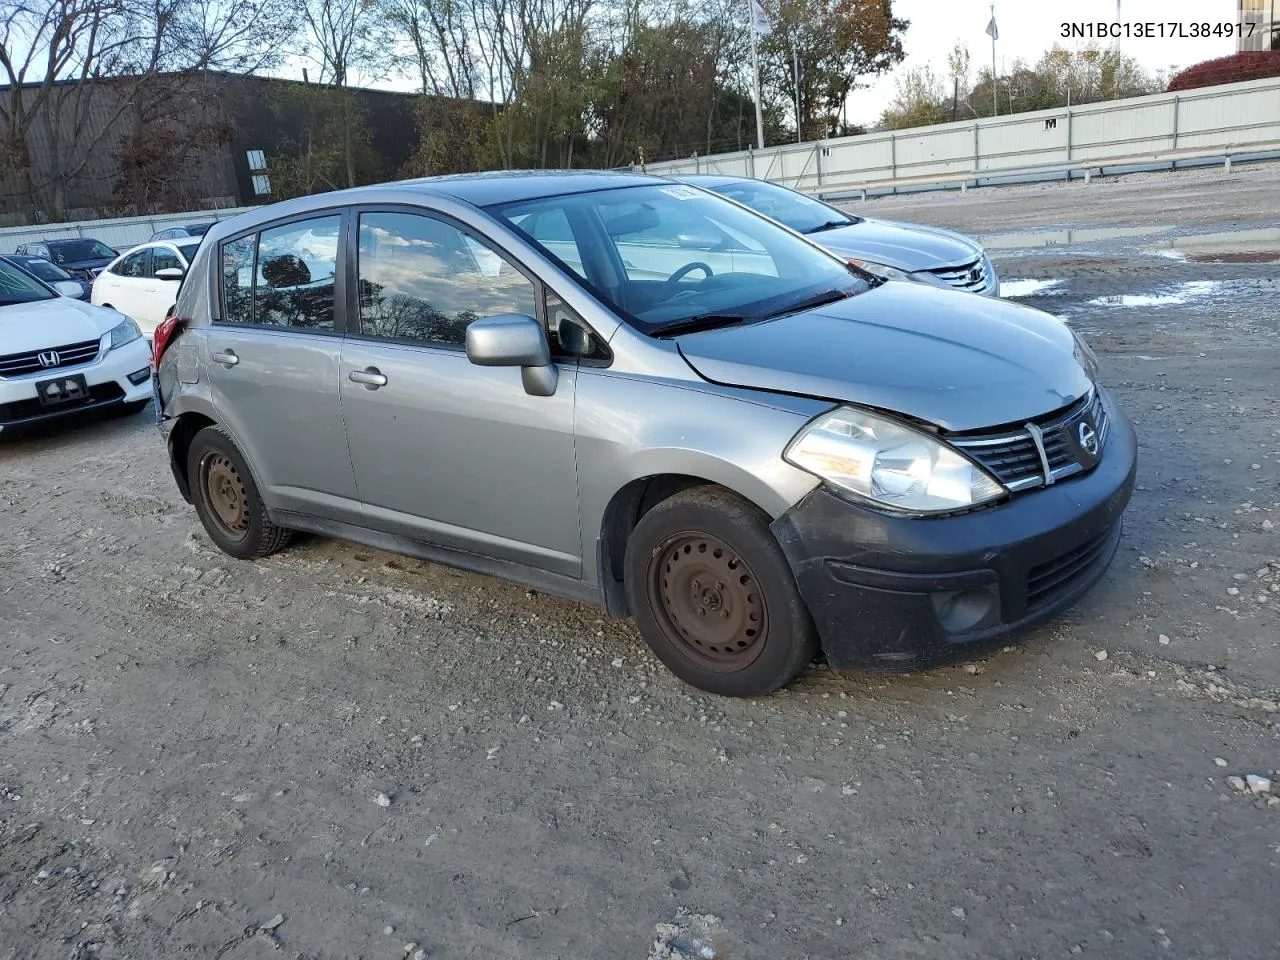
[338, 753]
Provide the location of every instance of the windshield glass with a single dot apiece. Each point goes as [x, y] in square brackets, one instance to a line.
[188, 250]
[43, 269]
[664, 255]
[197, 229]
[19, 287]
[73, 251]
[802, 214]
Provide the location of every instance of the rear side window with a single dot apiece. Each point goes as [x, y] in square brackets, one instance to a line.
[283, 277]
[423, 279]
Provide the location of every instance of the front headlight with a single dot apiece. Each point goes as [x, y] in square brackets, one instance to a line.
[882, 270]
[1085, 356]
[889, 463]
[126, 331]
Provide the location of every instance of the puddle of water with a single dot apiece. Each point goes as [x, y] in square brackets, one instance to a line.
[1030, 288]
[1070, 235]
[1183, 293]
[1236, 246]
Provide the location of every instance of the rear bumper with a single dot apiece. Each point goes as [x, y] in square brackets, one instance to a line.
[907, 592]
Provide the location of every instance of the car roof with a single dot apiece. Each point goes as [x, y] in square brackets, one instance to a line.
[506, 186]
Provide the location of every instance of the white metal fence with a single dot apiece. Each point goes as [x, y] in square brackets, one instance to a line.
[120, 233]
[1237, 118]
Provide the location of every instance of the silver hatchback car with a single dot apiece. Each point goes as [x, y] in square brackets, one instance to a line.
[637, 393]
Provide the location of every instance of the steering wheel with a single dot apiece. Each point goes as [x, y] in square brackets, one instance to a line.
[686, 270]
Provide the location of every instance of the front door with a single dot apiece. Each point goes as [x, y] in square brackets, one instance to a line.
[272, 356]
[443, 450]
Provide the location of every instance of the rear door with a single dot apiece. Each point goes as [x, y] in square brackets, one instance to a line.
[443, 450]
[272, 356]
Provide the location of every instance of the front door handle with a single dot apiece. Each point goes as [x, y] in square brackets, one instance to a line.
[371, 377]
[227, 358]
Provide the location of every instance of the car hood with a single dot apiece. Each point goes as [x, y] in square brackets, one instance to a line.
[906, 246]
[951, 359]
[91, 264]
[52, 323]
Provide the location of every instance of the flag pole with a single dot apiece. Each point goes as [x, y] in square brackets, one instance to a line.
[755, 66]
[995, 108]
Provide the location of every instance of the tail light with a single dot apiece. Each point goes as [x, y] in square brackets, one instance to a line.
[164, 335]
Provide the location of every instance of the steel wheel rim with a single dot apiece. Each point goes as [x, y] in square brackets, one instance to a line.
[225, 493]
[708, 601]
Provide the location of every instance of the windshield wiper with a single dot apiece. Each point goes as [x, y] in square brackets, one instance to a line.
[829, 225]
[817, 300]
[703, 321]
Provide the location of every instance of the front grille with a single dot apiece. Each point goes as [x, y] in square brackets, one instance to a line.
[1012, 458]
[970, 276]
[69, 355]
[1053, 578]
[27, 409]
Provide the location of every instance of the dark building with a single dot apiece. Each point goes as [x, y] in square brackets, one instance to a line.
[136, 145]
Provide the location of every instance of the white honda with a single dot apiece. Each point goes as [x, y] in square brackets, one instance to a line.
[61, 357]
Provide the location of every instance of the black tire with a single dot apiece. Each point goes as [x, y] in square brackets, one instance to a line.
[714, 597]
[227, 500]
[131, 409]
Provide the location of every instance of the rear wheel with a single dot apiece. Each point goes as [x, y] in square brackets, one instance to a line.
[227, 499]
[714, 597]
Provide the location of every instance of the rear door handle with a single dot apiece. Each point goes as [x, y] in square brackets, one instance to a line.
[227, 358]
[371, 377]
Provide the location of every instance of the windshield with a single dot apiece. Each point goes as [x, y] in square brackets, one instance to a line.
[73, 251]
[664, 255]
[802, 214]
[43, 269]
[188, 250]
[197, 229]
[19, 287]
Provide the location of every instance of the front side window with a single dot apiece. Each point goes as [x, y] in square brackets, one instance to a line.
[676, 255]
[18, 287]
[282, 277]
[423, 279]
[162, 258]
[133, 266]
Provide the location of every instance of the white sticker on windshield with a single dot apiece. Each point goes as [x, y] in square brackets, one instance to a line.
[682, 193]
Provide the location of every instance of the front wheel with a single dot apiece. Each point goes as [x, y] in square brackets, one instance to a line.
[714, 597]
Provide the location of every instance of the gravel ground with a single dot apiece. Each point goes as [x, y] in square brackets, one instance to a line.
[339, 753]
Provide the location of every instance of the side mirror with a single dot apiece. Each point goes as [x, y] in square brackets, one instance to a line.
[170, 273]
[69, 288]
[514, 340]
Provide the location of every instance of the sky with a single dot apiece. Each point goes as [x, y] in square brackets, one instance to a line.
[1030, 27]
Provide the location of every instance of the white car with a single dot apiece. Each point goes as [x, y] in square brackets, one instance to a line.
[60, 357]
[143, 282]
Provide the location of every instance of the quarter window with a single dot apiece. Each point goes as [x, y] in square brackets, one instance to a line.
[134, 265]
[423, 279]
[283, 277]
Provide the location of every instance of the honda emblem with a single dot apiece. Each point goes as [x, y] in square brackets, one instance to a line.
[48, 358]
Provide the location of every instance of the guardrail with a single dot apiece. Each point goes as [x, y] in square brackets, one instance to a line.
[118, 232]
[1236, 119]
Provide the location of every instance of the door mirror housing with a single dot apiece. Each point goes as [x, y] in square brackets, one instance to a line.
[514, 340]
[170, 273]
[68, 288]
